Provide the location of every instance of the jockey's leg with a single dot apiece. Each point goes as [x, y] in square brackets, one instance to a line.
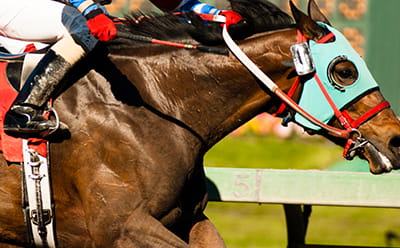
[24, 119]
[25, 115]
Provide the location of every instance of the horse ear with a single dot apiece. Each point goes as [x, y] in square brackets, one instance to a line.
[315, 13]
[310, 28]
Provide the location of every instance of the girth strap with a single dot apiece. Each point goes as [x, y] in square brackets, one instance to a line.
[37, 205]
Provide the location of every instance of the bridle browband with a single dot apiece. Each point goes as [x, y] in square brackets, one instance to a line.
[350, 132]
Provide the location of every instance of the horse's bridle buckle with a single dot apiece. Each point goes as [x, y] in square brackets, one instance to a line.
[354, 144]
[302, 58]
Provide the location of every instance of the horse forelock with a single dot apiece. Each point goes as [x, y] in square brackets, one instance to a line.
[259, 16]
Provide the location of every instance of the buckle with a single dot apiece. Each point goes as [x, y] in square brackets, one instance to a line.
[302, 59]
[353, 145]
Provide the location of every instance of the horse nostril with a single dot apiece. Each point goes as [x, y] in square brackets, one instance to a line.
[395, 141]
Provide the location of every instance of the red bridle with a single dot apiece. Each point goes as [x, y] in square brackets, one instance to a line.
[346, 121]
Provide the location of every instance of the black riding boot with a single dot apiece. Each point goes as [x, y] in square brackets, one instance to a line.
[25, 119]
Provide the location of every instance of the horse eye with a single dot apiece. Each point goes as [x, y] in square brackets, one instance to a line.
[346, 74]
[342, 72]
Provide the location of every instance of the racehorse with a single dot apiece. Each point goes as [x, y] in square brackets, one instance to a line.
[141, 117]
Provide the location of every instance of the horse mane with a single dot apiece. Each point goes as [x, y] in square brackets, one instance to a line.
[259, 16]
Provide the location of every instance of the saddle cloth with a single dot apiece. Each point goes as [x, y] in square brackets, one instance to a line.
[12, 147]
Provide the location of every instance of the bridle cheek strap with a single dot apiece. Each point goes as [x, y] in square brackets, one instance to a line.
[342, 119]
[296, 84]
[290, 94]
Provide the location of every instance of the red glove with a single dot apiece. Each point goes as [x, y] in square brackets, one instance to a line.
[231, 16]
[101, 27]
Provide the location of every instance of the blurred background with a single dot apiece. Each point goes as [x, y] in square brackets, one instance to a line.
[374, 31]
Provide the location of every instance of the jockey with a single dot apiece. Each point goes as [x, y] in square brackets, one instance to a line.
[196, 6]
[75, 30]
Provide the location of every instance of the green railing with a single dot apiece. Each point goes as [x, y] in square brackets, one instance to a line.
[303, 187]
[298, 190]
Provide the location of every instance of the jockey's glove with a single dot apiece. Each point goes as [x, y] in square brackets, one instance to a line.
[100, 25]
[231, 17]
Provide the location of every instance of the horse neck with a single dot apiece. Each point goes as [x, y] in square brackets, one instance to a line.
[210, 94]
[246, 97]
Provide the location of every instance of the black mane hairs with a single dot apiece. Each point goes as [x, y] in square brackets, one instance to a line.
[258, 16]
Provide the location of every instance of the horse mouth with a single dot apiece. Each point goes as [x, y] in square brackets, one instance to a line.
[378, 162]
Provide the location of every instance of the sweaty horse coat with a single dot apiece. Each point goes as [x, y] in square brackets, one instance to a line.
[130, 172]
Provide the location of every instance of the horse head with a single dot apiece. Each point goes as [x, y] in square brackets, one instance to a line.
[354, 102]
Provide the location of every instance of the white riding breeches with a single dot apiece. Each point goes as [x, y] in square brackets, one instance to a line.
[46, 21]
[32, 20]
[14, 46]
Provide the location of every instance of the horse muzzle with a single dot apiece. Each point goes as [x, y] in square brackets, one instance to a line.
[379, 161]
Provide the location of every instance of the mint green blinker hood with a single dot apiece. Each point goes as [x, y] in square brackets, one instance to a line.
[312, 99]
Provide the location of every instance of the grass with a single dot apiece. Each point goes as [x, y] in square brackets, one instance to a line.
[247, 225]
[252, 151]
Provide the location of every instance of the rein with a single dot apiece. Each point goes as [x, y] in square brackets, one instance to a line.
[350, 132]
[149, 39]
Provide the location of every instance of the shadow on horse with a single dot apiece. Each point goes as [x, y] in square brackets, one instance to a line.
[141, 117]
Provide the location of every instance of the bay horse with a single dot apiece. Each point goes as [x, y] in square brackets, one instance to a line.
[141, 117]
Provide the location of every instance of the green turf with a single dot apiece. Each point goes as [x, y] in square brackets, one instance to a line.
[251, 151]
[247, 225]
